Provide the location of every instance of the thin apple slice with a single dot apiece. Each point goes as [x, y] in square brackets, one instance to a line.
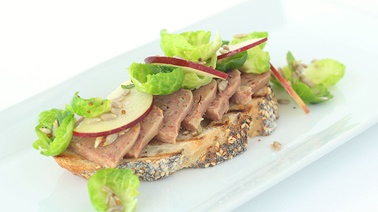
[289, 89]
[241, 47]
[186, 65]
[135, 107]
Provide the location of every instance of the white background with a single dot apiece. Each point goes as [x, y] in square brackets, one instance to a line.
[44, 43]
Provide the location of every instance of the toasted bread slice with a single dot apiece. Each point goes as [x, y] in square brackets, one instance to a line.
[219, 141]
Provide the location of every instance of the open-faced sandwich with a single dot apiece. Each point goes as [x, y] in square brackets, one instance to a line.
[194, 107]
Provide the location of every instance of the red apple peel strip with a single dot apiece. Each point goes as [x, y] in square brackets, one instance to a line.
[289, 89]
[244, 48]
[185, 63]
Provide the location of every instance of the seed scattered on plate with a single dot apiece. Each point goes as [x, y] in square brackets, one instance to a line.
[276, 145]
[283, 101]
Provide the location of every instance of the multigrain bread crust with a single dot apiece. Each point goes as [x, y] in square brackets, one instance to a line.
[218, 142]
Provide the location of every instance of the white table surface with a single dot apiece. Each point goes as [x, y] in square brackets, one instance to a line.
[44, 43]
[343, 180]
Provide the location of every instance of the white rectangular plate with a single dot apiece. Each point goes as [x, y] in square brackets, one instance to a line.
[33, 182]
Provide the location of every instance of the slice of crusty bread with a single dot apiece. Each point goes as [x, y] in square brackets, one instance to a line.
[219, 141]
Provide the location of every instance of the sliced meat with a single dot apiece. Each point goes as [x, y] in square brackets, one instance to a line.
[249, 85]
[149, 128]
[110, 155]
[255, 81]
[243, 95]
[175, 107]
[202, 98]
[221, 103]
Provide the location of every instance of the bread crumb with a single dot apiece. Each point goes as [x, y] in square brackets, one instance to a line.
[276, 145]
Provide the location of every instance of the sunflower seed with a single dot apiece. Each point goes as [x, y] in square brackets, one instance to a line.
[108, 116]
[276, 145]
[242, 35]
[115, 208]
[222, 85]
[110, 139]
[283, 101]
[223, 51]
[98, 141]
[117, 98]
[114, 110]
[108, 197]
[117, 104]
[55, 127]
[123, 132]
[112, 201]
[93, 120]
[45, 130]
[125, 92]
[202, 62]
[226, 47]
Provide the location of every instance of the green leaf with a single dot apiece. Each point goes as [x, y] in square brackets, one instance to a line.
[326, 72]
[230, 63]
[156, 79]
[89, 108]
[289, 70]
[122, 182]
[193, 45]
[312, 83]
[258, 61]
[225, 42]
[287, 73]
[251, 36]
[290, 61]
[43, 141]
[47, 117]
[276, 82]
[312, 95]
[192, 80]
[50, 144]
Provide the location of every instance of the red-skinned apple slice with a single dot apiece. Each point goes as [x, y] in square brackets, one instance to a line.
[289, 89]
[188, 65]
[241, 47]
[135, 107]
